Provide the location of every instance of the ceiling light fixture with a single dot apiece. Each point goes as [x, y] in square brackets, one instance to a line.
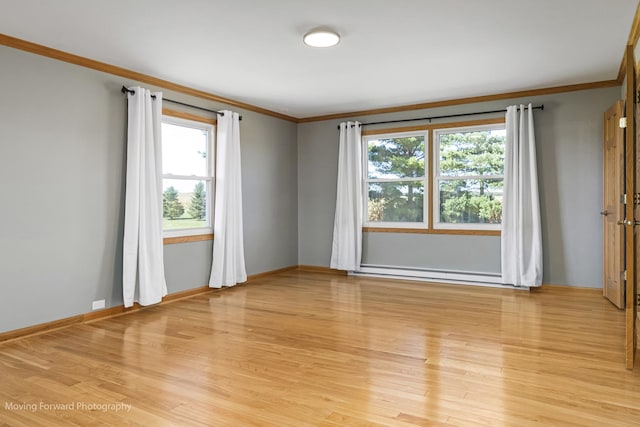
[321, 37]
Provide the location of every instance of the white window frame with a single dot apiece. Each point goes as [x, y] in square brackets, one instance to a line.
[209, 179]
[366, 180]
[437, 225]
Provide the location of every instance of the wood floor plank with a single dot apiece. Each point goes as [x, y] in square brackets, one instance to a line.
[305, 348]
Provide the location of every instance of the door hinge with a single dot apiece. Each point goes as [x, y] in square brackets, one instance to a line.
[636, 199]
[638, 97]
[623, 275]
[637, 299]
[623, 198]
[623, 122]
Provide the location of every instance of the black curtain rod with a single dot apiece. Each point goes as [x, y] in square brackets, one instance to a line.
[131, 91]
[539, 107]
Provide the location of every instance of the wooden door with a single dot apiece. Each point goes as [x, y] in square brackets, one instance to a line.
[613, 210]
[631, 170]
[632, 289]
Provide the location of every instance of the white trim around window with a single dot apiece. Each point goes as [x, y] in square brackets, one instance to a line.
[208, 177]
[438, 178]
[390, 179]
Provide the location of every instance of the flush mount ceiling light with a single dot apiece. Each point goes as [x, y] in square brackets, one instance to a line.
[321, 37]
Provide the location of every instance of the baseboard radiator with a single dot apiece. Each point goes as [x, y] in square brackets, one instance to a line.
[433, 275]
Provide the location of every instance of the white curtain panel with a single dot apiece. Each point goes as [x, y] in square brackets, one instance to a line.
[143, 277]
[521, 241]
[228, 266]
[346, 252]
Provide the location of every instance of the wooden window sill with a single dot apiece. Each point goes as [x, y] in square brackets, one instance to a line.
[187, 239]
[431, 231]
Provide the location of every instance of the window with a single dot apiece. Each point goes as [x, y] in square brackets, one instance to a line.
[396, 179]
[435, 178]
[187, 176]
[469, 177]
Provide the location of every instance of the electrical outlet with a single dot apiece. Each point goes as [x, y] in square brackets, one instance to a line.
[97, 305]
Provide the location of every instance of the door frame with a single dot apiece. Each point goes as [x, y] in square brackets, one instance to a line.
[630, 211]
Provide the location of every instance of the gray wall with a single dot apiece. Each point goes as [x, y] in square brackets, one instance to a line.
[62, 154]
[569, 148]
[450, 252]
[62, 160]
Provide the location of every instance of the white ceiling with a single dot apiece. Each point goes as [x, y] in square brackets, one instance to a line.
[392, 52]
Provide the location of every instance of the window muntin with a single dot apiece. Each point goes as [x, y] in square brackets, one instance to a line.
[469, 177]
[396, 180]
[187, 177]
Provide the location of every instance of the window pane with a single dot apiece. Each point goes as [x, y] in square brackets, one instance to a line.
[396, 201]
[184, 150]
[472, 153]
[400, 157]
[470, 201]
[184, 204]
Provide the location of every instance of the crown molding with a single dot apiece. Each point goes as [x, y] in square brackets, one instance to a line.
[38, 49]
[42, 50]
[467, 100]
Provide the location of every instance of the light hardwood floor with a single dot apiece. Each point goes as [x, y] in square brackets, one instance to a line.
[313, 349]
